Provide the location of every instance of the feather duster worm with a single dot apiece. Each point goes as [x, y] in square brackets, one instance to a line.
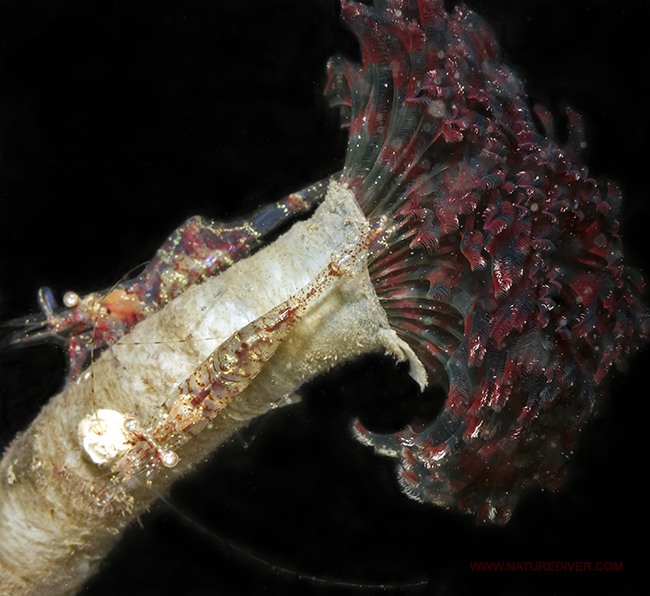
[500, 264]
[494, 259]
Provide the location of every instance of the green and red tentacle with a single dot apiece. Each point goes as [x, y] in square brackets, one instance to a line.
[501, 263]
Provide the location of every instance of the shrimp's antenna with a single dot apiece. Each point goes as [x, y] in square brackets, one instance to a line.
[460, 236]
[198, 249]
[249, 555]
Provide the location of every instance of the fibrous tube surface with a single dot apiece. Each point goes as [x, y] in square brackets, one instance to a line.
[100, 452]
[460, 235]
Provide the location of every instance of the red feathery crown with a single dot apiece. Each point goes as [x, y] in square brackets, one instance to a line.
[501, 262]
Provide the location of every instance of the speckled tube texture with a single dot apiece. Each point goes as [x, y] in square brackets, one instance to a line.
[60, 512]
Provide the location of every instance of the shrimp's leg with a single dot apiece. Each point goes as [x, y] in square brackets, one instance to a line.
[201, 247]
[195, 251]
[218, 380]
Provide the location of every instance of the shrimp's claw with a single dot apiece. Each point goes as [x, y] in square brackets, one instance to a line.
[30, 329]
[82, 325]
[34, 328]
[25, 331]
[198, 249]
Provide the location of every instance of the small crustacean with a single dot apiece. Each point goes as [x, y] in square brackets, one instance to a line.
[499, 275]
[230, 369]
[193, 252]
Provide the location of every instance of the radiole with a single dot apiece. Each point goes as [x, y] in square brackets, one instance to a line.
[462, 236]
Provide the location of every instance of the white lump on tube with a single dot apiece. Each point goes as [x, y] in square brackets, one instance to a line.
[60, 511]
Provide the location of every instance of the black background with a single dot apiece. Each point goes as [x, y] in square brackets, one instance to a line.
[120, 119]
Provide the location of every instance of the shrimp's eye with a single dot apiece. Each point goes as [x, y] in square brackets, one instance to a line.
[71, 299]
[131, 424]
[168, 458]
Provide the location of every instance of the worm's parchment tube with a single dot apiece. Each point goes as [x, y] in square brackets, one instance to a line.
[60, 511]
[502, 268]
